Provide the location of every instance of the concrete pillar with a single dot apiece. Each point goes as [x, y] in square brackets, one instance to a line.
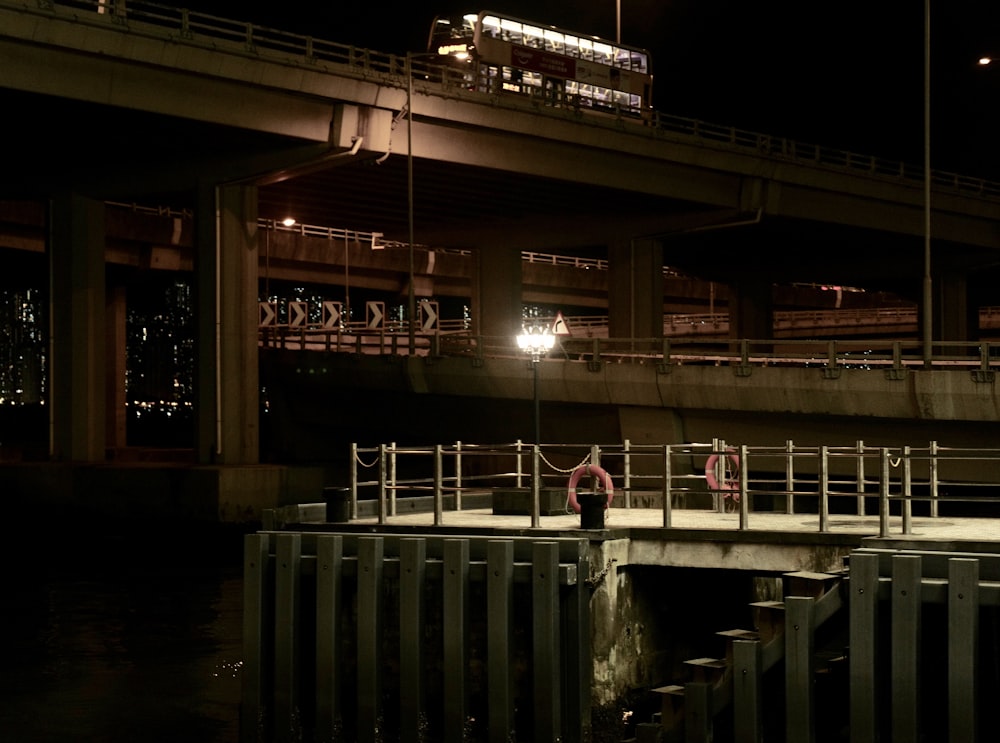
[115, 358]
[635, 289]
[226, 388]
[496, 292]
[76, 303]
[751, 310]
[955, 318]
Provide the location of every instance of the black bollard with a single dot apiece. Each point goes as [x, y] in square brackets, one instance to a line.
[338, 504]
[592, 508]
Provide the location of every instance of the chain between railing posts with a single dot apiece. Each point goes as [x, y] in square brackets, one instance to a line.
[883, 493]
[932, 478]
[458, 475]
[789, 477]
[860, 485]
[354, 481]
[536, 486]
[744, 490]
[824, 489]
[438, 485]
[627, 476]
[667, 483]
[381, 483]
[392, 478]
[907, 504]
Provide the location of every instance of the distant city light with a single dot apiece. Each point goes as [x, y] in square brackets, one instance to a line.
[985, 61]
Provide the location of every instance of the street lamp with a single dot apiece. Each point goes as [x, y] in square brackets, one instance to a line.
[536, 342]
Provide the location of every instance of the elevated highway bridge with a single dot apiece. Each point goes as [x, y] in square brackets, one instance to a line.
[231, 124]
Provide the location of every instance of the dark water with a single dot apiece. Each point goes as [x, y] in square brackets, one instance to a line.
[120, 636]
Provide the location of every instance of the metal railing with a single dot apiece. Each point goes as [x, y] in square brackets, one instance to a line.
[859, 480]
[893, 357]
[283, 47]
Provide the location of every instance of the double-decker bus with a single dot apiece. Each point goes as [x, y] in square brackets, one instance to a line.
[506, 54]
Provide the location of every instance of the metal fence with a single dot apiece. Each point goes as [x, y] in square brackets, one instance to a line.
[818, 481]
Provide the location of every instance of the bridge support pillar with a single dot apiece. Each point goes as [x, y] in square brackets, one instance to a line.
[496, 291]
[77, 383]
[635, 289]
[751, 315]
[954, 318]
[226, 390]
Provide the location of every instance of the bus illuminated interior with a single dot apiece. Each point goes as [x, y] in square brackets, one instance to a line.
[555, 66]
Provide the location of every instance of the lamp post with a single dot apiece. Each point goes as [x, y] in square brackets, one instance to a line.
[536, 342]
[411, 301]
[927, 324]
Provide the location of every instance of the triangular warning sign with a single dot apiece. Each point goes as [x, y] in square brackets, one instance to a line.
[560, 327]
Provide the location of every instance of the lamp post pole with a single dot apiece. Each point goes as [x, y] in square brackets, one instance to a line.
[536, 343]
[411, 301]
[928, 316]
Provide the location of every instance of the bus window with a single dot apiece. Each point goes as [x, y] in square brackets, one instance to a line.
[586, 49]
[511, 31]
[572, 46]
[491, 26]
[533, 37]
[554, 42]
[602, 53]
[639, 62]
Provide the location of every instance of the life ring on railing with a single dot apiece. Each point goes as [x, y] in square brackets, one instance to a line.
[595, 471]
[730, 486]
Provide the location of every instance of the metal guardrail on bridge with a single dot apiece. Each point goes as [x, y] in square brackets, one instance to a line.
[893, 357]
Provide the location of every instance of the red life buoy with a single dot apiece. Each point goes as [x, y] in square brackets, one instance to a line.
[730, 485]
[589, 469]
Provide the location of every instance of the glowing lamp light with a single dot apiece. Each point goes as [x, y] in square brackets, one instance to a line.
[536, 342]
[288, 221]
[985, 61]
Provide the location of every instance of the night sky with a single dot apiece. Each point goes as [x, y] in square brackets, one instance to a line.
[848, 74]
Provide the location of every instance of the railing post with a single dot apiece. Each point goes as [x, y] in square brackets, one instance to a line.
[519, 470]
[438, 486]
[627, 476]
[932, 477]
[354, 481]
[381, 483]
[860, 484]
[883, 493]
[789, 476]
[536, 486]
[667, 482]
[824, 489]
[458, 475]
[392, 478]
[744, 490]
[907, 504]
